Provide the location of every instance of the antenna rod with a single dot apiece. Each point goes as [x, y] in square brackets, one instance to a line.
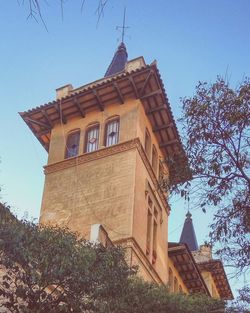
[123, 26]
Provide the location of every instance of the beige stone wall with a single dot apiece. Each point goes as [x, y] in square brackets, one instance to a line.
[128, 119]
[178, 277]
[143, 123]
[135, 256]
[99, 191]
[144, 188]
[210, 284]
[111, 190]
[204, 254]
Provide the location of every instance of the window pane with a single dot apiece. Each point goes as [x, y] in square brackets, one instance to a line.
[112, 133]
[92, 139]
[72, 145]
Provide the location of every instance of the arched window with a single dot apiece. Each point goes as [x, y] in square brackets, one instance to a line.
[92, 138]
[147, 144]
[72, 144]
[112, 132]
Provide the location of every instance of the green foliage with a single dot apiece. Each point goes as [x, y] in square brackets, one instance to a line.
[217, 126]
[150, 298]
[49, 269]
[242, 303]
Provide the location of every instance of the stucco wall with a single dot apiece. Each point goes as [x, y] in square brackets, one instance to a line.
[178, 277]
[210, 284]
[109, 188]
[128, 116]
[99, 191]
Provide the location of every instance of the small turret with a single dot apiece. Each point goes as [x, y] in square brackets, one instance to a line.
[119, 61]
[188, 234]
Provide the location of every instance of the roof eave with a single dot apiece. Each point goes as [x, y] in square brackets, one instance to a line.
[143, 83]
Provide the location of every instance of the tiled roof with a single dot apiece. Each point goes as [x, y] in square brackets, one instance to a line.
[137, 81]
[186, 266]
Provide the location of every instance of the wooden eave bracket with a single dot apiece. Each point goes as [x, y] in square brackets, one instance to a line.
[99, 102]
[151, 94]
[164, 126]
[46, 116]
[42, 132]
[79, 108]
[156, 109]
[134, 87]
[118, 91]
[169, 143]
[146, 83]
[58, 108]
[38, 123]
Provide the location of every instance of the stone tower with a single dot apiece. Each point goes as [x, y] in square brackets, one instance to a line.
[107, 145]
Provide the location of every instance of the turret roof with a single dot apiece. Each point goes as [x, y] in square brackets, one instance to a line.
[119, 61]
[188, 234]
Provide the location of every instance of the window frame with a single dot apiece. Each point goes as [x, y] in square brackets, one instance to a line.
[108, 122]
[152, 229]
[87, 131]
[67, 153]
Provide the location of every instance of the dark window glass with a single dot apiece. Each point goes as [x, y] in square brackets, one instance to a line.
[112, 133]
[72, 145]
[92, 139]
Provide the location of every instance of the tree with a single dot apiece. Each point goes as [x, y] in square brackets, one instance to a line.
[35, 8]
[150, 298]
[51, 270]
[242, 303]
[217, 127]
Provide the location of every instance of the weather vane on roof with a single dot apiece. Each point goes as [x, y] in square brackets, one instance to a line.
[123, 27]
[188, 202]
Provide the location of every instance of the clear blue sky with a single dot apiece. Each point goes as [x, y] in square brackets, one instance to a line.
[191, 40]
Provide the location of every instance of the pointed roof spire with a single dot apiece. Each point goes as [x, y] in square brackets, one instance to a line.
[119, 61]
[121, 56]
[188, 234]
